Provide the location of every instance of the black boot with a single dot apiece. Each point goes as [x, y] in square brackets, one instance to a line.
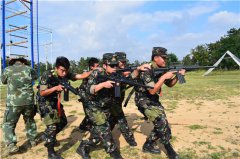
[150, 147]
[52, 154]
[116, 155]
[131, 142]
[83, 128]
[170, 151]
[83, 150]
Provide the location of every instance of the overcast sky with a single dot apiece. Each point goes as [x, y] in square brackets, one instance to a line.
[91, 28]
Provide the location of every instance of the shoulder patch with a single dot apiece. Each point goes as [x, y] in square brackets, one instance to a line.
[147, 78]
[43, 81]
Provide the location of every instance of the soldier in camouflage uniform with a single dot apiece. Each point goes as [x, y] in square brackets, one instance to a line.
[101, 95]
[51, 109]
[117, 114]
[148, 101]
[86, 123]
[20, 100]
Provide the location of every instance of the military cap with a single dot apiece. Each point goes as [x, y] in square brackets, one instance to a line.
[110, 59]
[121, 56]
[159, 51]
[21, 59]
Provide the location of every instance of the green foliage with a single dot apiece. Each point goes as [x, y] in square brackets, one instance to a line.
[172, 58]
[208, 54]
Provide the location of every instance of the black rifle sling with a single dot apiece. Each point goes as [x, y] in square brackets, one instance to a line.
[128, 98]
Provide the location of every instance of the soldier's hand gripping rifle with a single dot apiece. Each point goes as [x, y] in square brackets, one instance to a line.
[120, 80]
[42, 108]
[67, 88]
[180, 77]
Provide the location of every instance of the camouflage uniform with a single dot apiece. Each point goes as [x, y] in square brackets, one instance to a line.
[153, 109]
[86, 123]
[117, 114]
[98, 110]
[54, 119]
[20, 100]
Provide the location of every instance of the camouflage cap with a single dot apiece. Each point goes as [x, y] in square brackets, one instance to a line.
[121, 56]
[110, 59]
[159, 51]
[21, 59]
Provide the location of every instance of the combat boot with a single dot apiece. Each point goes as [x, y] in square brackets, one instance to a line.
[52, 154]
[83, 150]
[83, 129]
[116, 155]
[170, 151]
[12, 148]
[150, 147]
[131, 142]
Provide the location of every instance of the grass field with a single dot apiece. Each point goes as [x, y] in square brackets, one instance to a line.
[200, 95]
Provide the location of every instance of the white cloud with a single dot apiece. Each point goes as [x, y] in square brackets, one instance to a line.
[83, 29]
[202, 8]
[225, 19]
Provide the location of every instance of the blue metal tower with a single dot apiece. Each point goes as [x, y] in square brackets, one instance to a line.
[17, 34]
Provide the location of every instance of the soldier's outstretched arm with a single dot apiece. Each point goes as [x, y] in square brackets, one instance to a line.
[83, 75]
[143, 67]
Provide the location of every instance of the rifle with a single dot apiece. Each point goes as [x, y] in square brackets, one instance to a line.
[67, 88]
[118, 80]
[131, 68]
[180, 77]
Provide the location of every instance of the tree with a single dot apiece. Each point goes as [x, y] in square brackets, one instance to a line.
[187, 60]
[172, 59]
[208, 54]
[82, 65]
[230, 42]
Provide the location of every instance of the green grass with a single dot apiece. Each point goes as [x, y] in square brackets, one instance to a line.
[217, 85]
[195, 127]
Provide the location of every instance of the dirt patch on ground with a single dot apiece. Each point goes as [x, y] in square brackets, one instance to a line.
[202, 126]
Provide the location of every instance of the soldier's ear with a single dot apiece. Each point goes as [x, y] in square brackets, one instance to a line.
[104, 66]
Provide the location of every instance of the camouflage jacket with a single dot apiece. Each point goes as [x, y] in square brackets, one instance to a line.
[147, 78]
[19, 79]
[83, 89]
[103, 98]
[50, 79]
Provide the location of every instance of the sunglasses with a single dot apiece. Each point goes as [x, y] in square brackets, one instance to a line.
[113, 65]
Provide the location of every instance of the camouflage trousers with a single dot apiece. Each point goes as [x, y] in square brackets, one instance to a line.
[154, 111]
[101, 131]
[11, 117]
[118, 117]
[86, 123]
[54, 124]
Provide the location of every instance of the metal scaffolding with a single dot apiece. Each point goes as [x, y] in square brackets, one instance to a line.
[15, 30]
[18, 17]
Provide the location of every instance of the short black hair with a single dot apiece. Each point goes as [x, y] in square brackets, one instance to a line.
[92, 61]
[62, 61]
